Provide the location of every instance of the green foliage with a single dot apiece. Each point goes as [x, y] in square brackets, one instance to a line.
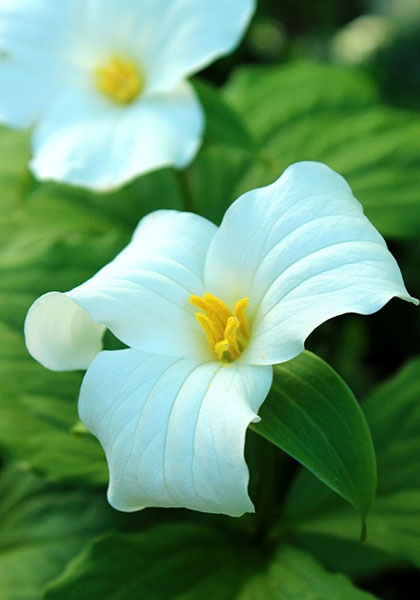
[312, 415]
[327, 526]
[40, 530]
[333, 115]
[223, 124]
[37, 413]
[195, 562]
[295, 575]
[227, 151]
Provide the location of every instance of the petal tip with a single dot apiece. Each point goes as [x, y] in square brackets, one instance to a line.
[118, 502]
[60, 335]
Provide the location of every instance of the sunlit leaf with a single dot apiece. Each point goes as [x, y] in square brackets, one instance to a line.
[332, 114]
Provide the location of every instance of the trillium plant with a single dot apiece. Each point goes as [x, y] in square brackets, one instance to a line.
[203, 229]
[206, 313]
[105, 83]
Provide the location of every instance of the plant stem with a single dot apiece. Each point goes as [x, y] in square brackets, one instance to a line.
[185, 187]
[265, 505]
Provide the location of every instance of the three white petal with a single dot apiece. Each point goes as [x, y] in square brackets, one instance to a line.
[48, 56]
[171, 419]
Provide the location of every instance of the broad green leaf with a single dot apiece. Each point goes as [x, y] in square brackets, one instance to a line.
[294, 90]
[227, 152]
[295, 575]
[168, 562]
[213, 178]
[38, 409]
[312, 415]
[318, 518]
[332, 114]
[224, 126]
[41, 529]
[192, 562]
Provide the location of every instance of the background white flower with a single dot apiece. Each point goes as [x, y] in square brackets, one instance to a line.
[172, 410]
[104, 81]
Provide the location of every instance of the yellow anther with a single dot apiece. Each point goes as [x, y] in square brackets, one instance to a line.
[220, 307]
[221, 348]
[230, 334]
[120, 80]
[240, 307]
[207, 325]
[212, 312]
[227, 333]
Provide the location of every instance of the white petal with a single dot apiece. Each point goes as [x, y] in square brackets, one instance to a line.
[60, 334]
[46, 47]
[84, 139]
[142, 296]
[36, 45]
[173, 430]
[303, 252]
[173, 38]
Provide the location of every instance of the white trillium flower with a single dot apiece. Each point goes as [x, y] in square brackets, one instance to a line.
[104, 81]
[206, 312]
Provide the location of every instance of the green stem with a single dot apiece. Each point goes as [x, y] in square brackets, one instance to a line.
[266, 498]
[185, 187]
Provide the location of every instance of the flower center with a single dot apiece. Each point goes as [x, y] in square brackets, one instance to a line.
[227, 333]
[120, 80]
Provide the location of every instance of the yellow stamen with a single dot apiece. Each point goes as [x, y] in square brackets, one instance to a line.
[227, 333]
[212, 312]
[120, 80]
[240, 307]
[207, 325]
[221, 348]
[221, 308]
[230, 334]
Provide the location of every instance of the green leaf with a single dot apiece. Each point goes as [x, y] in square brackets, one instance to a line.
[213, 178]
[224, 126]
[227, 151]
[170, 561]
[38, 409]
[312, 415]
[41, 529]
[345, 88]
[295, 575]
[333, 115]
[192, 562]
[316, 516]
